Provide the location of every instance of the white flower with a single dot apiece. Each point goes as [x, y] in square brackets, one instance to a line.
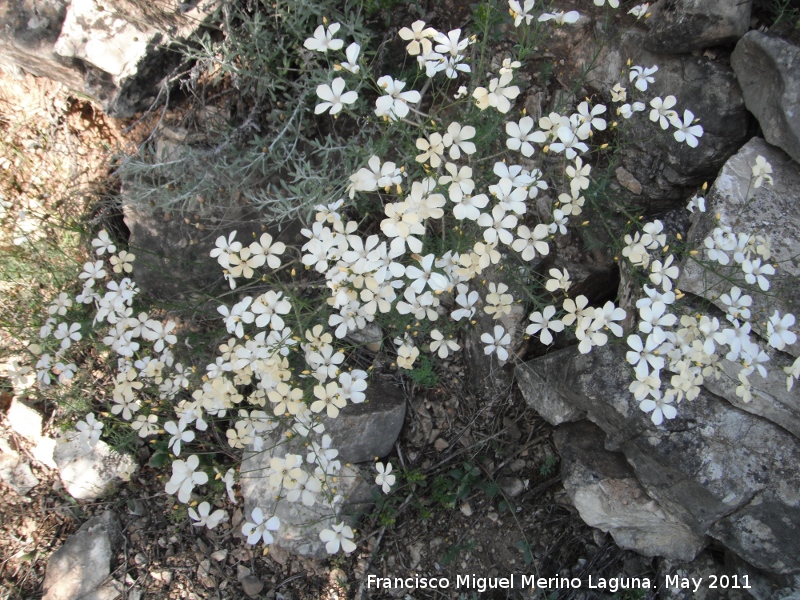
[441, 346]
[737, 304]
[432, 149]
[460, 181]
[611, 3]
[351, 64]
[640, 10]
[385, 478]
[179, 434]
[497, 342]
[333, 97]
[542, 321]
[457, 138]
[59, 306]
[145, 425]
[686, 132]
[323, 39]
[792, 373]
[498, 94]
[663, 273]
[560, 17]
[520, 13]
[466, 302]
[530, 243]
[89, 430]
[340, 534]
[521, 135]
[265, 251]
[697, 202]
[328, 398]
[643, 356]
[259, 529]
[102, 243]
[67, 334]
[627, 110]
[643, 76]
[204, 519]
[558, 281]
[497, 226]
[761, 172]
[184, 478]
[618, 93]
[754, 272]
[660, 407]
[743, 390]
[662, 110]
[394, 105]
[579, 175]
[779, 332]
[418, 37]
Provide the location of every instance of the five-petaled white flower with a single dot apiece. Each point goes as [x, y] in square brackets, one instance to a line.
[761, 172]
[89, 430]
[685, 131]
[323, 39]
[497, 342]
[185, 477]
[203, 517]
[385, 477]
[544, 322]
[340, 534]
[333, 97]
[642, 76]
[259, 529]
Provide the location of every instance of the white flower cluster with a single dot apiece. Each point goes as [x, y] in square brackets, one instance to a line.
[662, 109]
[690, 346]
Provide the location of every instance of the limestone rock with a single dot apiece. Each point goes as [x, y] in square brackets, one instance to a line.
[768, 70]
[680, 26]
[720, 470]
[369, 429]
[15, 471]
[80, 567]
[88, 472]
[604, 489]
[26, 421]
[117, 52]
[773, 210]
[28, 31]
[126, 47]
[545, 399]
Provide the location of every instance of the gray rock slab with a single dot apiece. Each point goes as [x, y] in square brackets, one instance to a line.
[680, 26]
[772, 210]
[545, 399]
[605, 490]
[87, 473]
[81, 566]
[369, 429]
[768, 70]
[722, 471]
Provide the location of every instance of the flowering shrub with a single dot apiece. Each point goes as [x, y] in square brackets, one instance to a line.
[437, 218]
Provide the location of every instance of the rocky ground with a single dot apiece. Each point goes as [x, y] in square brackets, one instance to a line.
[508, 467]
